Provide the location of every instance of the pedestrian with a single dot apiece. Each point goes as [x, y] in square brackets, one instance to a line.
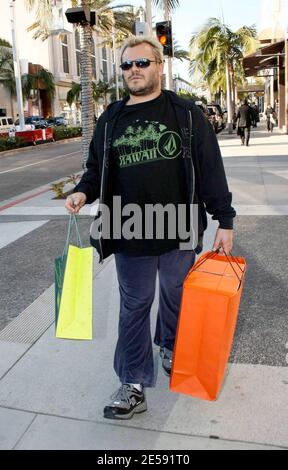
[255, 114]
[152, 147]
[270, 118]
[245, 118]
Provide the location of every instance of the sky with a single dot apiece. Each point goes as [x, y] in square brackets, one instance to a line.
[191, 14]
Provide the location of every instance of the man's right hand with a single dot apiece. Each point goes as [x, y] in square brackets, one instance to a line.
[74, 202]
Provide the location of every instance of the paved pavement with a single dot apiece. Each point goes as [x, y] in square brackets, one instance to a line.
[52, 391]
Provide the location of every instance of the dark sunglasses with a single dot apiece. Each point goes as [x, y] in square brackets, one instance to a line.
[141, 63]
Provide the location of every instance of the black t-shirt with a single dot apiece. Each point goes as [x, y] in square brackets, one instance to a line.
[147, 168]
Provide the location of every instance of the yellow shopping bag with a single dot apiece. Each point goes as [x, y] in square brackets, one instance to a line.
[75, 307]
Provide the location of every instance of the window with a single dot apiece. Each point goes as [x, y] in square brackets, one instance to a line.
[93, 59]
[65, 57]
[78, 51]
[104, 65]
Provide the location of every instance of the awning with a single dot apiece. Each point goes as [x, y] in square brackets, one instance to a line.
[251, 88]
[264, 58]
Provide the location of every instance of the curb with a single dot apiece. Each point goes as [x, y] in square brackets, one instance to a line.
[16, 151]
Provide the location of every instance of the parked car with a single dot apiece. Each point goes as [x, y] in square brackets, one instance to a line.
[210, 114]
[203, 107]
[57, 121]
[217, 117]
[37, 121]
[6, 123]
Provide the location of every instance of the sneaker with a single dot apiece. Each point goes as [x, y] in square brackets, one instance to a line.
[126, 401]
[166, 356]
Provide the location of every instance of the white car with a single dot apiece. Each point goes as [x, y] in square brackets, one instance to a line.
[6, 123]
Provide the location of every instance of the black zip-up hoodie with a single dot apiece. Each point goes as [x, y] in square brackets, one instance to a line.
[205, 174]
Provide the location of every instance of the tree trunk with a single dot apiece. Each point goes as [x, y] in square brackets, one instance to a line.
[87, 108]
[222, 99]
[233, 90]
[105, 101]
[229, 104]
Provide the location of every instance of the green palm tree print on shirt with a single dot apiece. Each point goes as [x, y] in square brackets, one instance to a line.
[146, 142]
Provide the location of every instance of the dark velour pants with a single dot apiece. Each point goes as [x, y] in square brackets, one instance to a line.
[133, 360]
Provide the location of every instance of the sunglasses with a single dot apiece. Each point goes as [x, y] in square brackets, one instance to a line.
[140, 63]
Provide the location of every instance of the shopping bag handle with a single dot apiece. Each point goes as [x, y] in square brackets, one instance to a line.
[234, 261]
[214, 253]
[72, 221]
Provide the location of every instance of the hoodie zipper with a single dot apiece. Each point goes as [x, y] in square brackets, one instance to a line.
[192, 166]
[101, 189]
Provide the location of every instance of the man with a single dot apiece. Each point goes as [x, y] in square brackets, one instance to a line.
[245, 117]
[270, 118]
[255, 114]
[151, 148]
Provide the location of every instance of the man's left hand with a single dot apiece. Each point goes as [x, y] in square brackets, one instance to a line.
[223, 240]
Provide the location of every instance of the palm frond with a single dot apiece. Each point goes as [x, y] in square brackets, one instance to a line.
[74, 93]
[216, 44]
[171, 4]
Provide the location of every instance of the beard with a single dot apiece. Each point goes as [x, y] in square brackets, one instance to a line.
[151, 85]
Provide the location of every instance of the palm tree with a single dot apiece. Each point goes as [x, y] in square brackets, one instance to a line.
[169, 4]
[7, 77]
[39, 79]
[101, 89]
[180, 54]
[216, 51]
[123, 93]
[105, 21]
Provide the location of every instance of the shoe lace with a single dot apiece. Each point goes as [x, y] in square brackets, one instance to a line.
[122, 394]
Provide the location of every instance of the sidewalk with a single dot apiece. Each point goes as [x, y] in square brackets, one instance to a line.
[52, 392]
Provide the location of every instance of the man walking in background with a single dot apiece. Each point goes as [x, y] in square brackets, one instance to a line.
[245, 118]
[151, 148]
[256, 114]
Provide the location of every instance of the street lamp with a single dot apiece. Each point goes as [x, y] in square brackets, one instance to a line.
[115, 54]
[148, 11]
[17, 71]
[81, 15]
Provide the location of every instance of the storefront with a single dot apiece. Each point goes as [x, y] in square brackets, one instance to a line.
[269, 62]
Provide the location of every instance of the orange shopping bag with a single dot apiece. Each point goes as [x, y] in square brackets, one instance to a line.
[209, 308]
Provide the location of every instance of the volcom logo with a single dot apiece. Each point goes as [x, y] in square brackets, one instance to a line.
[169, 145]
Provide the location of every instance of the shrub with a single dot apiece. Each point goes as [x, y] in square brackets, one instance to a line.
[9, 143]
[58, 188]
[61, 133]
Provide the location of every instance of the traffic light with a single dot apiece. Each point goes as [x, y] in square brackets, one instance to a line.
[164, 36]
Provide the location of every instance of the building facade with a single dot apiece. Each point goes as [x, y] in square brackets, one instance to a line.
[270, 60]
[59, 54]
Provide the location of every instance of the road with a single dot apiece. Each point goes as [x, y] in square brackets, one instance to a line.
[36, 166]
